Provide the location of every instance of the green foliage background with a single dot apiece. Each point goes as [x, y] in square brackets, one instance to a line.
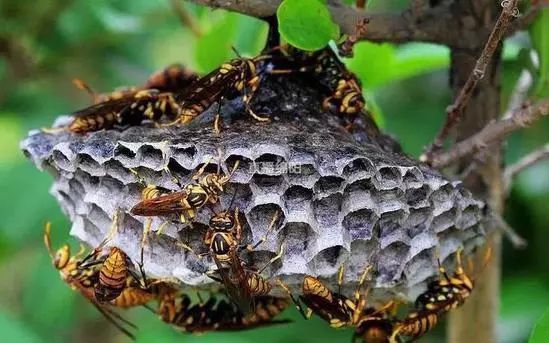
[44, 44]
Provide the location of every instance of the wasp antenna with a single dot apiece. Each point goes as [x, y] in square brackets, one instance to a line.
[80, 84]
[234, 197]
[236, 52]
[340, 273]
[47, 238]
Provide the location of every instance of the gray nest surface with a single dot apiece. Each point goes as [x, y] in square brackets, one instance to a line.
[346, 199]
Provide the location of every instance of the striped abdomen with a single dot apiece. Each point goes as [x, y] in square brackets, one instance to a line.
[112, 276]
[133, 296]
[417, 324]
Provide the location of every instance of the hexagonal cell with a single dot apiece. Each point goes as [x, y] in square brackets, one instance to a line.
[389, 263]
[421, 267]
[416, 197]
[88, 164]
[306, 176]
[388, 177]
[444, 220]
[236, 195]
[328, 260]
[270, 164]
[297, 238]
[468, 217]
[193, 236]
[178, 171]
[245, 169]
[151, 157]
[62, 161]
[360, 224]
[184, 155]
[327, 210]
[260, 219]
[358, 168]
[413, 178]
[297, 194]
[360, 185]
[124, 154]
[390, 232]
[327, 185]
[418, 216]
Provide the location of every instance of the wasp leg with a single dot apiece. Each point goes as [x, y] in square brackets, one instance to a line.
[254, 85]
[272, 260]
[263, 239]
[307, 315]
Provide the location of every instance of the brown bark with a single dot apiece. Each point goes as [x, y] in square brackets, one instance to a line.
[475, 321]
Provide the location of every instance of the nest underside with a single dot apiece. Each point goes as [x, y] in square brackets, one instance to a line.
[346, 198]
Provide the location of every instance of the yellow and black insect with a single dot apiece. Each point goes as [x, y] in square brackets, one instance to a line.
[441, 296]
[83, 280]
[113, 274]
[242, 282]
[186, 202]
[130, 106]
[236, 77]
[340, 311]
[220, 315]
[415, 325]
[174, 78]
[129, 109]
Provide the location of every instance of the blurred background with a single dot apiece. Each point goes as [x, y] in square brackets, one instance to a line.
[45, 44]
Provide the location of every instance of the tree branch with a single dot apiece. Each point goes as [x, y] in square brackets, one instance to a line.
[455, 110]
[433, 25]
[491, 133]
[527, 161]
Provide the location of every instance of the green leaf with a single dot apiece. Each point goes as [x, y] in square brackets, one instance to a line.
[540, 334]
[539, 33]
[379, 64]
[214, 47]
[306, 24]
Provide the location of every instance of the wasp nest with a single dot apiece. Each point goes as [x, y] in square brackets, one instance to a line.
[345, 198]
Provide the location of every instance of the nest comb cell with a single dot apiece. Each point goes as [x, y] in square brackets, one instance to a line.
[344, 198]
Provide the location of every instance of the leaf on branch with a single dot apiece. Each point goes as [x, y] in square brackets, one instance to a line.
[379, 64]
[539, 33]
[306, 24]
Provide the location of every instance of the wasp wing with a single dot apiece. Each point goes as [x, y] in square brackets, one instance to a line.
[165, 204]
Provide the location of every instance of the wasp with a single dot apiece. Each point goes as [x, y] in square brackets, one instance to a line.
[130, 109]
[170, 79]
[82, 280]
[205, 190]
[339, 311]
[242, 283]
[221, 315]
[415, 325]
[130, 106]
[173, 78]
[238, 76]
[441, 296]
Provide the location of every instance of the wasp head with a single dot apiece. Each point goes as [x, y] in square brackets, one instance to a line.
[62, 257]
[224, 222]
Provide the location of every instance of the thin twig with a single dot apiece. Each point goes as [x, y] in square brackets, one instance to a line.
[455, 110]
[186, 18]
[491, 133]
[436, 25]
[516, 240]
[346, 48]
[527, 161]
[526, 19]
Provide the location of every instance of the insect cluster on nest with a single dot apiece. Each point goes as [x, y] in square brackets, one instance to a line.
[110, 280]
